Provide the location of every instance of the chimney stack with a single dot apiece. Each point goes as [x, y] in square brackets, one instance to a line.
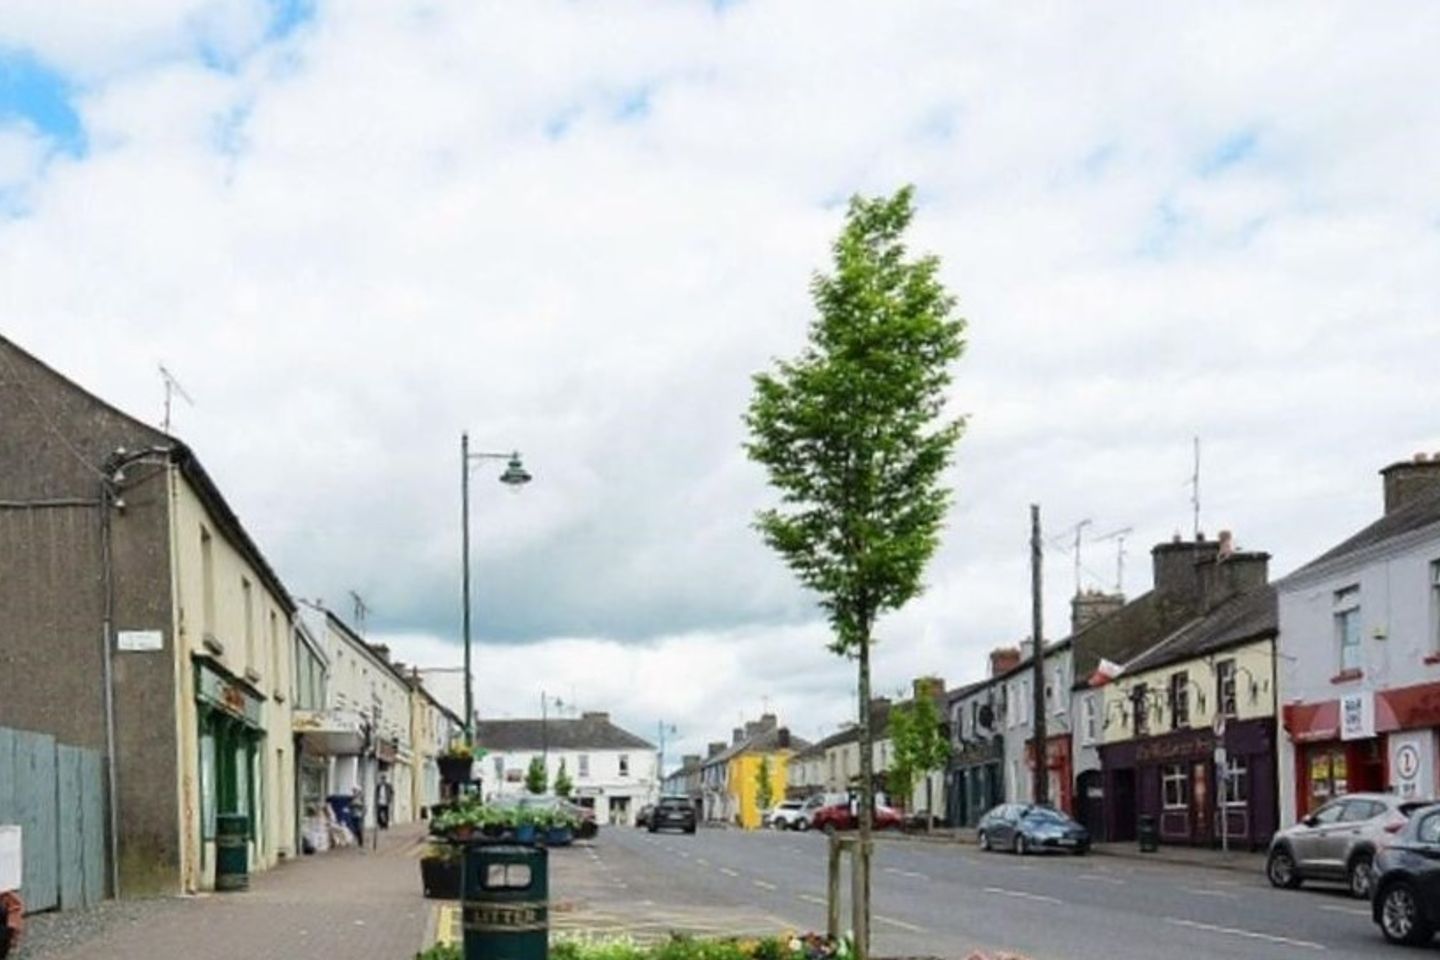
[714, 748]
[1092, 605]
[596, 715]
[932, 687]
[690, 760]
[1176, 566]
[1003, 660]
[1411, 481]
[737, 736]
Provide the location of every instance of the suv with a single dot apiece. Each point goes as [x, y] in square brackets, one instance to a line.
[1338, 841]
[673, 813]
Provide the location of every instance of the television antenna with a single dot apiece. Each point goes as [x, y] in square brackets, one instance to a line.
[1077, 531]
[361, 610]
[172, 389]
[1119, 537]
[1195, 491]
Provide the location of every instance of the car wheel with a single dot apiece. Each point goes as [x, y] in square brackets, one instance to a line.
[803, 825]
[653, 829]
[829, 829]
[1280, 869]
[1400, 917]
[983, 839]
[1022, 847]
[1361, 876]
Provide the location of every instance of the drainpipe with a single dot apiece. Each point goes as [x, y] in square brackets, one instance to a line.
[112, 776]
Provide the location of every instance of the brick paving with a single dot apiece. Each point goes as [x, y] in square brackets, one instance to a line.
[346, 904]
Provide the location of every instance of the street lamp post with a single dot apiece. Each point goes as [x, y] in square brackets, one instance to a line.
[515, 477]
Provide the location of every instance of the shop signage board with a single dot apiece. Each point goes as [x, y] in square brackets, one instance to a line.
[1185, 747]
[139, 641]
[1357, 716]
[1412, 772]
[220, 691]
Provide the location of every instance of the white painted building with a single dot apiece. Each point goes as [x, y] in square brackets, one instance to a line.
[611, 770]
[362, 733]
[1359, 655]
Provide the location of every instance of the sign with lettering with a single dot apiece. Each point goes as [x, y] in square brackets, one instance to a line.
[227, 694]
[136, 641]
[1357, 716]
[1185, 747]
[1412, 766]
[505, 917]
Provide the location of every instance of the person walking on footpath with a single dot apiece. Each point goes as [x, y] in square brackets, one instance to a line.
[384, 796]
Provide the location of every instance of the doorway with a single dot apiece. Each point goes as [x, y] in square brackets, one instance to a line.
[1090, 803]
[1123, 790]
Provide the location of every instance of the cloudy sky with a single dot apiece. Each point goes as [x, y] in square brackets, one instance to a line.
[354, 230]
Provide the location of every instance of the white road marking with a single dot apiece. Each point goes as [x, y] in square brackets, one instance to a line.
[906, 873]
[1022, 895]
[1202, 892]
[1095, 876]
[1249, 934]
[702, 861]
[810, 898]
[763, 885]
[1352, 911]
[729, 873]
[900, 923]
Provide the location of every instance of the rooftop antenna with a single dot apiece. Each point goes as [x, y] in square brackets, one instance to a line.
[1119, 537]
[1195, 490]
[361, 609]
[1077, 531]
[172, 389]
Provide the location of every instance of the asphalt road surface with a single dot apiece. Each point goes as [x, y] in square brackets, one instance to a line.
[949, 899]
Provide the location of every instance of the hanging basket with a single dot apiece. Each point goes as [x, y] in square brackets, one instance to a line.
[456, 769]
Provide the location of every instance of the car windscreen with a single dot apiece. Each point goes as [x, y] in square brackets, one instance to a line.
[1040, 814]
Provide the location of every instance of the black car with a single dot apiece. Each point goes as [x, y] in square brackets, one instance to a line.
[647, 812]
[673, 813]
[1026, 828]
[1406, 903]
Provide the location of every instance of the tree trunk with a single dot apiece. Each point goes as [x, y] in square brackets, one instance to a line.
[861, 859]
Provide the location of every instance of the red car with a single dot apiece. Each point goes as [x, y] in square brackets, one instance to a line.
[838, 817]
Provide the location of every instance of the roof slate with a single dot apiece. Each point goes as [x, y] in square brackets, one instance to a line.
[1252, 615]
[586, 733]
[1415, 516]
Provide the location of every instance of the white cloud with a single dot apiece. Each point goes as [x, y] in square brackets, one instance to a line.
[579, 229]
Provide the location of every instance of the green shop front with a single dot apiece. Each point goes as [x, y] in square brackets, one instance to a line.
[232, 746]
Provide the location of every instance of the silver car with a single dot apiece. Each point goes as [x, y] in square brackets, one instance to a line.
[1338, 841]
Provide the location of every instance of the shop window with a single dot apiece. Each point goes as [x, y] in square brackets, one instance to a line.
[1225, 686]
[1175, 785]
[1347, 627]
[1328, 774]
[1237, 782]
[1179, 700]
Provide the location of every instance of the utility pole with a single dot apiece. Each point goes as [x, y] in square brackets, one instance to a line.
[1041, 791]
[465, 585]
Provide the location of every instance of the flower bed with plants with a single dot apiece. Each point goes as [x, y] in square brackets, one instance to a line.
[469, 821]
[810, 946]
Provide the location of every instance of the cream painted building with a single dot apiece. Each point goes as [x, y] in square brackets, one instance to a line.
[432, 727]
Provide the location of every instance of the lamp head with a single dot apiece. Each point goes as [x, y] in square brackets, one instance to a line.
[515, 475]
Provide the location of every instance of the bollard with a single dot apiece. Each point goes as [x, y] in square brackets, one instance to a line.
[232, 851]
[1148, 834]
[506, 902]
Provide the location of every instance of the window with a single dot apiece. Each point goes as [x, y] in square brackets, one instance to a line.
[1237, 782]
[1089, 713]
[1225, 687]
[624, 765]
[974, 717]
[1347, 627]
[1140, 703]
[1435, 605]
[1022, 709]
[1175, 783]
[274, 640]
[246, 595]
[582, 765]
[1179, 700]
[1058, 703]
[207, 576]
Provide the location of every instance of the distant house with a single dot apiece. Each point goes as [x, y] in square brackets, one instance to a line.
[730, 774]
[613, 771]
[685, 780]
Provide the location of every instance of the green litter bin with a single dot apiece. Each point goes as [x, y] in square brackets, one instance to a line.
[1149, 834]
[505, 889]
[232, 851]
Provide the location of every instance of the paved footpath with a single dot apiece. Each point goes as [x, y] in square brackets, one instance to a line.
[350, 904]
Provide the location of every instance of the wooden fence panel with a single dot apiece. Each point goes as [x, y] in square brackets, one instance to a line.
[34, 778]
[92, 826]
[69, 818]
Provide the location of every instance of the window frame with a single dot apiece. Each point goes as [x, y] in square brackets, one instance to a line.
[1089, 720]
[1179, 699]
[1346, 616]
[1177, 774]
[1227, 702]
[1140, 705]
[582, 766]
[1435, 606]
[1237, 774]
[623, 764]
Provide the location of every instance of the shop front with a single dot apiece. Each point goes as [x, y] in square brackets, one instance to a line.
[1380, 741]
[1058, 763]
[232, 745]
[322, 737]
[1195, 794]
[976, 781]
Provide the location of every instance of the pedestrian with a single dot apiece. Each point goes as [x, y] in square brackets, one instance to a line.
[384, 796]
[357, 815]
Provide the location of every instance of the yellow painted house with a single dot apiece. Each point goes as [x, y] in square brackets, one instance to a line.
[730, 779]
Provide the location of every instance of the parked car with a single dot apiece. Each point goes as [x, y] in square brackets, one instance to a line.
[1027, 828]
[785, 816]
[673, 813]
[644, 814]
[1406, 905]
[1339, 841]
[837, 816]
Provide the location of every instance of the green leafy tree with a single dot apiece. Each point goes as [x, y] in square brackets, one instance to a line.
[535, 777]
[764, 790]
[855, 438]
[919, 748]
[563, 784]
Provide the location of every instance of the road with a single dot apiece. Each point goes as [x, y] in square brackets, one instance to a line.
[948, 899]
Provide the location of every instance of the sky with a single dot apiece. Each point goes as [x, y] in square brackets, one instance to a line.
[576, 229]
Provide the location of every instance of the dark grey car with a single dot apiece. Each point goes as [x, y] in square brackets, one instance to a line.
[1338, 842]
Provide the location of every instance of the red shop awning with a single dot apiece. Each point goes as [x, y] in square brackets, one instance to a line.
[1313, 722]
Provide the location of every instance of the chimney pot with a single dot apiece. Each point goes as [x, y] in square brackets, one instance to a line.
[1410, 481]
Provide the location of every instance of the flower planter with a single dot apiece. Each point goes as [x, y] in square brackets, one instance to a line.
[440, 878]
[456, 769]
[559, 836]
[525, 833]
